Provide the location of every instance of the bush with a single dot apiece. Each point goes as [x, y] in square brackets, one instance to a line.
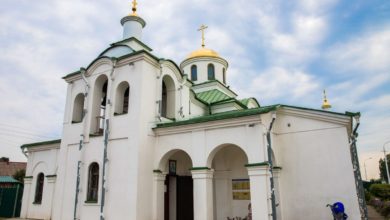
[385, 210]
[380, 190]
[367, 195]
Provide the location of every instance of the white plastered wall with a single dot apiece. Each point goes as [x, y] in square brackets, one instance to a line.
[40, 161]
[316, 165]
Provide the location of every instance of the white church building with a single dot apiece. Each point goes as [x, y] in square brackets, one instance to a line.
[147, 139]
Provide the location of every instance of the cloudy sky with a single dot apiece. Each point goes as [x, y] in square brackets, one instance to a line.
[278, 51]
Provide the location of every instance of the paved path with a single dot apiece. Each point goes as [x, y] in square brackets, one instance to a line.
[373, 214]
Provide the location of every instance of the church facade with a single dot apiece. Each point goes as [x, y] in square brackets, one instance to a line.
[145, 138]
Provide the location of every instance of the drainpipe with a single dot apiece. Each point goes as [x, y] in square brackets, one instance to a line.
[271, 167]
[158, 92]
[356, 169]
[106, 133]
[81, 142]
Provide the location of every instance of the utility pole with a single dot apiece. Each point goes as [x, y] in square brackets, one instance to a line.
[387, 167]
[365, 169]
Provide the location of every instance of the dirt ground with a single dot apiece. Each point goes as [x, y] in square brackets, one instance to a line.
[373, 214]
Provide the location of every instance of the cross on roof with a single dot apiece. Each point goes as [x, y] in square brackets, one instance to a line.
[202, 29]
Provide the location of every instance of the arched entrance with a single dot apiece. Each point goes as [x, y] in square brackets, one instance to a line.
[178, 194]
[231, 188]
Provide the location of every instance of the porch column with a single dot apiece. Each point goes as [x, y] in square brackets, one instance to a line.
[203, 193]
[259, 178]
[158, 195]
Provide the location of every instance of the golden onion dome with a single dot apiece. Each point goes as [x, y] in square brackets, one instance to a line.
[203, 52]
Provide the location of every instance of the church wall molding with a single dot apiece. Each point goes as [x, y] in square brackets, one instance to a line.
[231, 122]
[316, 115]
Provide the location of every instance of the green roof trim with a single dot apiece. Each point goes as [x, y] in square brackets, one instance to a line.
[262, 164]
[117, 58]
[51, 176]
[157, 171]
[353, 114]
[212, 96]
[200, 168]
[8, 179]
[129, 39]
[221, 116]
[28, 177]
[320, 110]
[72, 74]
[240, 113]
[57, 141]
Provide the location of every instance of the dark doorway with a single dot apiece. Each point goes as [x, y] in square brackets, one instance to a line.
[184, 197]
[185, 204]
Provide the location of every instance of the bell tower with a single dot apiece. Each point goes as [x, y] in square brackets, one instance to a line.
[133, 24]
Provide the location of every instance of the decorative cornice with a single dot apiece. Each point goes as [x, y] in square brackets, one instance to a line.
[230, 122]
[191, 60]
[133, 18]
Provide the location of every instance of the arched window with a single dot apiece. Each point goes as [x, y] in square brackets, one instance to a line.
[93, 183]
[224, 75]
[39, 188]
[210, 72]
[168, 104]
[194, 73]
[99, 105]
[78, 108]
[122, 98]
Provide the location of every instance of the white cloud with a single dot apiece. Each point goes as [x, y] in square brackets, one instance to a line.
[277, 82]
[367, 53]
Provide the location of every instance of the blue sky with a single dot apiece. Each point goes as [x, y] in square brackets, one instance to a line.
[278, 51]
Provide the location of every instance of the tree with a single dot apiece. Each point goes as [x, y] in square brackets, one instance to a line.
[19, 175]
[382, 167]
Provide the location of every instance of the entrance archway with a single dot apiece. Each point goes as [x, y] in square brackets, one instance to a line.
[178, 196]
[231, 188]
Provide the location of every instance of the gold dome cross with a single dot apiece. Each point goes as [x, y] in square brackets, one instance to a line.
[202, 29]
[134, 8]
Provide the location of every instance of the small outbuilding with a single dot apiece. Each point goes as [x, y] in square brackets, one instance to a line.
[11, 192]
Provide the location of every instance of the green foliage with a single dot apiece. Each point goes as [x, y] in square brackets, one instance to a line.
[19, 175]
[367, 195]
[380, 190]
[367, 184]
[382, 167]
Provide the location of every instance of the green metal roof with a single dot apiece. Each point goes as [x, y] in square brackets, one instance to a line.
[8, 179]
[221, 116]
[212, 96]
[41, 143]
[215, 81]
[246, 101]
[130, 39]
[243, 113]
